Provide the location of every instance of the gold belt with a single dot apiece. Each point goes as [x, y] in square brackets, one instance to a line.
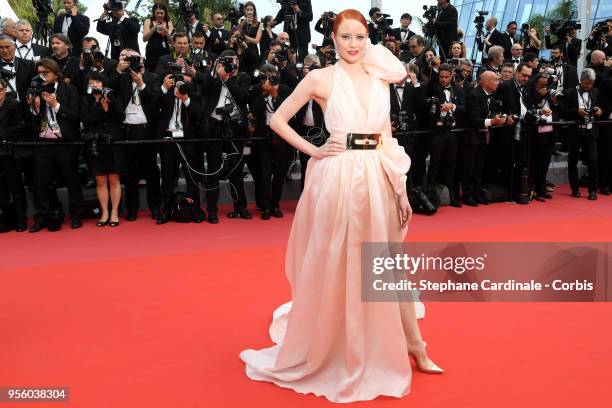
[361, 141]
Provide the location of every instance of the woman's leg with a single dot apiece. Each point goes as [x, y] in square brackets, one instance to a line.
[102, 190]
[115, 195]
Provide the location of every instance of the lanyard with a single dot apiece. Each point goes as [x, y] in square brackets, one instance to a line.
[584, 102]
[27, 53]
[400, 98]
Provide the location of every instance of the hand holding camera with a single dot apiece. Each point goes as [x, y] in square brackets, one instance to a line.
[499, 119]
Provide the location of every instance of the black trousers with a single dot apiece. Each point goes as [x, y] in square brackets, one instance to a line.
[419, 159]
[50, 161]
[11, 184]
[472, 166]
[171, 158]
[604, 150]
[234, 171]
[582, 144]
[274, 159]
[142, 162]
[541, 148]
[443, 158]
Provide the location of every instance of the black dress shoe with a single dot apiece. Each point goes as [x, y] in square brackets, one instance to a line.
[592, 195]
[276, 212]
[213, 218]
[265, 214]
[38, 226]
[76, 223]
[539, 198]
[604, 191]
[482, 200]
[155, 214]
[576, 193]
[546, 195]
[470, 201]
[241, 213]
[199, 215]
[456, 203]
[21, 226]
[131, 216]
[163, 218]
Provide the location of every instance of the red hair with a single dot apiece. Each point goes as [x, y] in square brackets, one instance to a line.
[349, 14]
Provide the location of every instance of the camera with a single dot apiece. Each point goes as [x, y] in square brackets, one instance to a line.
[135, 62]
[6, 74]
[301, 69]
[448, 120]
[37, 87]
[561, 28]
[330, 56]
[93, 140]
[92, 55]
[232, 116]
[403, 121]
[430, 14]
[329, 14]
[590, 115]
[113, 5]
[281, 56]
[458, 74]
[104, 92]
[433, 103]
[272, 78]
[600, 30]
[234, 15]
[180, 83]
[228, 63]
[479, 20]
[43, 8]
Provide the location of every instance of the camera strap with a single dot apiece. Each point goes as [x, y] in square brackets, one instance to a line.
[586, 105]
[400, 98]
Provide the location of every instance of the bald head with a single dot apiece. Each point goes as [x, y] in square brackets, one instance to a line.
[489, 81]
[598, 57]
[283, 37]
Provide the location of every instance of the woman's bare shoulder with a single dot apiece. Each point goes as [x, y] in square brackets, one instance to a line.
[320, 80]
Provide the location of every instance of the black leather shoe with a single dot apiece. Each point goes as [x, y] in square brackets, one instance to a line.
[131, 216]
[276, 212]
[539, 198]
[604, 191]
[213, 218]
[76, 223]
[21, 226]
[470, 201]
[38, 226]
[592, 195]
[155, 214]
[241, 213]
[163, 218]
[456, 203]
[199, 216]
[576, 193]
[546, 195]
[482, 200]
[265, 214]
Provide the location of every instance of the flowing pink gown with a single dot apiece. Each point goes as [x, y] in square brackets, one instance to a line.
[329, 342]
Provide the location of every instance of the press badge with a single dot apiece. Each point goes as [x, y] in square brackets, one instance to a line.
[55, 128]
[177, 133]
[246, 150]
[589, 125]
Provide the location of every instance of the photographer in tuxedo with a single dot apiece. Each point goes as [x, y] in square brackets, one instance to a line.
[273, 154]
[540, 133]
[217, 36]
[54, 107]
[181, 111]
[517, 55]
[493, 37]
[480, 117]
[140, 94]
[507, 152]
[446, 27]
[296, 15]
[403, 33]
[22, 70]
[122, 31]
[509, 39]
[226, 95]
[572, 46]
[407, 106]
[204, 58]
[310, 119]
[72, 24]
[12, 127]
[93, 60]
[447, 109]
[69, 64]
[494, 61]
[279, 57]
[580, 104]
[25, 48]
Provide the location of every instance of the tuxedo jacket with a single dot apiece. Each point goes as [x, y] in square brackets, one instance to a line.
[569, 103]
[216, 43]
[37, 52]
[446, 25]
[150, 97]
[477, 112]
[413, 101]
[506, 43]
[570, 76]
[110, 72]
[13, 126]
[257, 104]
[67, 115]
[70, 69]
[571, 51]
[397, 33]
[24, 72]
[508, 93]
[373, 33]
[126, 33]
[496, 38]
[237, 85]
[190, 115]
[317, 113]
[457, 97]
[304, 17]
[79, 28]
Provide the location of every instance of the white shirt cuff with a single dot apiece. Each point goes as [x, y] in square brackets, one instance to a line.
[487, 123]
[56, 109]
[187, 102]
[164, 90]
[140, 88]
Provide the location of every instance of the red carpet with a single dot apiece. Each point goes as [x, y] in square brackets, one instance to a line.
[155, 316]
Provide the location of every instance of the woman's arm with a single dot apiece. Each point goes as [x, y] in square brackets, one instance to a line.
[304, 92]
[147, 33]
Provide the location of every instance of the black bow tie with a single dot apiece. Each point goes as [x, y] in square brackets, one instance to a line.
[404, 31]
[447, 88]
[24, 46]
[7, 64]
[515, 61]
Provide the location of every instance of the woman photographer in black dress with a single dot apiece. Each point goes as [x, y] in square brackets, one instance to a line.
[251, 29]
[157, 31]
[102, 116]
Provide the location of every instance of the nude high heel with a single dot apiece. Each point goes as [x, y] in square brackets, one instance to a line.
[423, 362]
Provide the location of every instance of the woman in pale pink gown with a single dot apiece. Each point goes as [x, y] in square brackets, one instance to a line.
[328, 341]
